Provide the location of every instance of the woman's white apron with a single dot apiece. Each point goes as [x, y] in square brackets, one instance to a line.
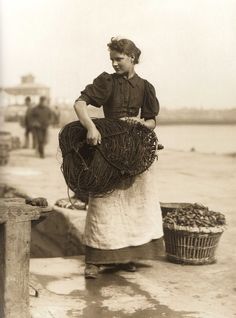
[126, 217]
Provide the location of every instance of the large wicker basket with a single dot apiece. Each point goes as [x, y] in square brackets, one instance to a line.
[195, 246]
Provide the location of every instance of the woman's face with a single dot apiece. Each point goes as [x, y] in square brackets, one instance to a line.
[121, 62]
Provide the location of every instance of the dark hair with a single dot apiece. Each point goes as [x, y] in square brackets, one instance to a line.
[28, 99]
[42, 99]
[125, 46]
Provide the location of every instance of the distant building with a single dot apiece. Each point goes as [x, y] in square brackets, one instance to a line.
[27, 87]
[5, 98]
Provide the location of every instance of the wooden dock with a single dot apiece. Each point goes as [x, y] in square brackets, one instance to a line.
[15, 232]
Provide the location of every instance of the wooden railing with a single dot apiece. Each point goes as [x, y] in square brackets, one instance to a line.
[15, 236]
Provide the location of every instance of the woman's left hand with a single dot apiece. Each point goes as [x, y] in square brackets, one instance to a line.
[149, 123]
[134, 118]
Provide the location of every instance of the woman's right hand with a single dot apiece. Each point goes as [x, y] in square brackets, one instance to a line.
[93, 136]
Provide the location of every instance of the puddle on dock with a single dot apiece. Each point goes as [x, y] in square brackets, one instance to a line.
[109, 296]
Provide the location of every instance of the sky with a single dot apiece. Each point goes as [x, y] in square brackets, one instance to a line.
[188, 46]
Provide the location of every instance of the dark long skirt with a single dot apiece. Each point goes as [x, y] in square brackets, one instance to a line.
[149, 251]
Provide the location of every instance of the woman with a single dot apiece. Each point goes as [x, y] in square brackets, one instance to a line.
[125, 225]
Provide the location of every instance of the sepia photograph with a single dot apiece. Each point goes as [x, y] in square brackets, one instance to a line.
[117, 158]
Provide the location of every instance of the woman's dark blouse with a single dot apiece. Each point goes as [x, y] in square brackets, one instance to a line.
[122, 97]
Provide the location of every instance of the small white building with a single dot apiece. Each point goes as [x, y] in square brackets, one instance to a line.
[28, 87]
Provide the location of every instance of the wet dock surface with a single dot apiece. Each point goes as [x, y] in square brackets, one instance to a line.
[157, 289]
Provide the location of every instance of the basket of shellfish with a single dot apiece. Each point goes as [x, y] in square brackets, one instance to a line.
[192, 234]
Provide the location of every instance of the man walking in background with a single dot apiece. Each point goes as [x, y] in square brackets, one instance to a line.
[41, 119]
[28, 123]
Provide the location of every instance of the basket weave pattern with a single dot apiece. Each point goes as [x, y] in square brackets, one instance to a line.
[191, 247]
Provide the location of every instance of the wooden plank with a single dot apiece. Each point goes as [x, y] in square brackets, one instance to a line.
[15, 235]
[16, 254]
[2, 269]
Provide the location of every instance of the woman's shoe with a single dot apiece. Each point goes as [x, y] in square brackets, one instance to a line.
[91, 271]
[129, 267]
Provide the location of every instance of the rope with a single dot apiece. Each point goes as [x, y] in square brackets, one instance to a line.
[128, 148]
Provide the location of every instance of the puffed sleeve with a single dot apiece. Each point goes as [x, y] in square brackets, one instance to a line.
[150, 108]
[98, 93]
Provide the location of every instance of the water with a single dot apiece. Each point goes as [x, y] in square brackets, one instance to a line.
[219, 139]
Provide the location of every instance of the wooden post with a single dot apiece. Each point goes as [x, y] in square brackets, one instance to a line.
[15, 232]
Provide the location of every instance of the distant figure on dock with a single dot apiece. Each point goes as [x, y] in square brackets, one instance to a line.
[41, 119]
[27, 123]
